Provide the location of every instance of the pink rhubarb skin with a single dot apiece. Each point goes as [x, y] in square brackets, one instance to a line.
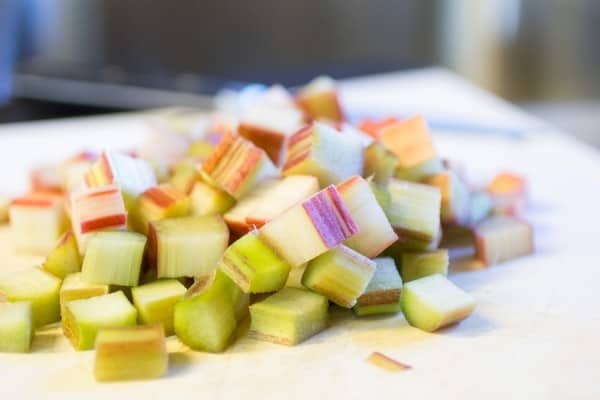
[330, 217]
[87, 218]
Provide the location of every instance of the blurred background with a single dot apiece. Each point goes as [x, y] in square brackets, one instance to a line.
[67, 57]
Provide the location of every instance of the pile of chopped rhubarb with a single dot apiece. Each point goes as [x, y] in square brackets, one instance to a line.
[274, 213]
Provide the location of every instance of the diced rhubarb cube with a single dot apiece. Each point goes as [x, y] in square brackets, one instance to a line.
[97, 209]
[500, 238]
[160, 202]
[268, 127]
[237, 166]
[319, 99]
[37, 220]
[455, 197]
[321, 151]
[375, 233]
[310, 228]
[269, 200]
[133, 175]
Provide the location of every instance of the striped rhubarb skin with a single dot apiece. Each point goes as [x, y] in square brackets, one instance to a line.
[133, 175]
[97, 209]
[39, 199]
[163, 201]
[299, 147]
[322, 151]
[330, 217]
[310, 228]
[237, 165]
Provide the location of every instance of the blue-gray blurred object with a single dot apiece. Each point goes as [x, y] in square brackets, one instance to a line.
[9, 13]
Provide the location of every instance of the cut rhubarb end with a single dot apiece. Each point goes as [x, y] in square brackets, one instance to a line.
[37, 220]
[237, 166]
[319, 223]
[189, 246]
[184, 176]
[382, 294]
[38, 287]
[455, 198]
[375, 232]
[207, 316]
[16, 327]
[380, 163]
[161, 202]
[414, 212]
[433, 302]
[268, 128]
[84, 318]
[417, 265]
[133, 175]
[65, 258]
[114, 258]
[500, 238]
[269, 200]
[130, 353]
[254, 266]
[341, 274]
[288, 317]
[409, 140]
[155, 302]
[209, 200]
[97, 209]
[321, 151]
[75, 288]
[387, 363]
[319, 99]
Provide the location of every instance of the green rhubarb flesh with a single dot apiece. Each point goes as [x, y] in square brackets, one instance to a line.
[433, 302]
[37, 286]
[414, 212]
[114, 258]
[382, 295]
[417, 265]
[254, 266]
[288, 317]
[130, 353]
[155, 302]
[16, 327]
[209, 200]
[380, 163]
[341, 274]
[189, 246]
[206, 318]
[84, 318]
[65, 258]
[418, 172]
[74, 287]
